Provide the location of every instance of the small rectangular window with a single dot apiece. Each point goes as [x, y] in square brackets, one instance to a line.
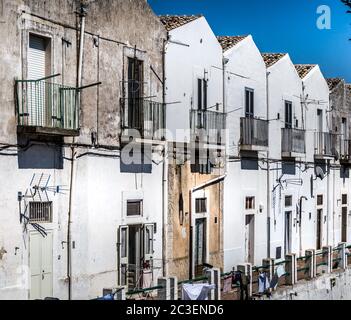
[250, 203]
[344, 199]
[319, 200]
[40, 212]
[134, 208]
[288, 201]
[201, 205]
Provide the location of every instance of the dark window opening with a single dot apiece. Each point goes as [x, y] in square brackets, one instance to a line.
[288, 201]
[201, 205]
[319, 200]
[134, 208]
[288, 115]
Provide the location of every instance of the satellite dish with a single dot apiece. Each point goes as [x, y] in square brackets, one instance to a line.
[320, 173]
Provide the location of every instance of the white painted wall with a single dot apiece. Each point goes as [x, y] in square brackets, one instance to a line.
[200, 56]
[245, 69]
[99, 193]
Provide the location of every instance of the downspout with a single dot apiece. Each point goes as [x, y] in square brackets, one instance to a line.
[193, 190]
[164, 169]
[300, 223]
[268, 177]
[82, 15]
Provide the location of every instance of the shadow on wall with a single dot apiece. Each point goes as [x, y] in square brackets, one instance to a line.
[40, 153]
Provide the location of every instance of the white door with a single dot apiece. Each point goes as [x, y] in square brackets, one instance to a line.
[250, 238]
[40, 263]
[37, 66]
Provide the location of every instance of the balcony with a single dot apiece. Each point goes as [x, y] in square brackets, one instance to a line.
[46, 108]
[293, 142]
[144, 116]
[345, 150]
[254, 134]
[325, 145]
[210, 124]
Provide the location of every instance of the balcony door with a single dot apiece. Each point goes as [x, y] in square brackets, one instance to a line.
[288, 115]
[135, 94]
[38, 63]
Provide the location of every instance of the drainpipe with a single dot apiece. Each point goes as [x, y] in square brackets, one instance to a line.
[82, 15]
[193, 190]
[300, 223]
[164, 169]
[268, 177]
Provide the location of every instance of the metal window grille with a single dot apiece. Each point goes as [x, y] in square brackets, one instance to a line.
[319, 200]
[134, 208]
[201, 205]
[40, 212]
[288, 201]
[344, 199]
[250, 203]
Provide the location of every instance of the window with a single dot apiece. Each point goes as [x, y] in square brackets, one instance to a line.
[40, 212]
[135, 93]
[250, 203]
[288, 115]
[201, 205]
[319, 200]
[288, 201]
[344, 199]
[134, 208]
[249, 103]
[201, 94]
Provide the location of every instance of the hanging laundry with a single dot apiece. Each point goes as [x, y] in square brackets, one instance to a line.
[147, 278]
[197, 292]
[263, 283]
[280, 271]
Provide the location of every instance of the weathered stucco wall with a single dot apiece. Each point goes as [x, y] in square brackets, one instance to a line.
[181, 181]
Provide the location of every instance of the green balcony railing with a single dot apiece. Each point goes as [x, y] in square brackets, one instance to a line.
[49, 105]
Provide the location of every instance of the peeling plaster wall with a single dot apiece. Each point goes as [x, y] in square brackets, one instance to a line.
[181, 181]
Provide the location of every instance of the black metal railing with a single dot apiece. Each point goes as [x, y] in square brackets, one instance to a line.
[254, 132]
[345, 149]
[293, 140]
[326, 144]
[209, 123]
[145, 116]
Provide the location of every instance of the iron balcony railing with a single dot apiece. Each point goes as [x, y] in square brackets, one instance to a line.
[293, 141]
[254, 132]
[345, 148]
[209, 123]
[145, 116]
[326, 144]
[49, 105]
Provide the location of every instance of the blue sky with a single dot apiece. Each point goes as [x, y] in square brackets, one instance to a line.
[278, 26]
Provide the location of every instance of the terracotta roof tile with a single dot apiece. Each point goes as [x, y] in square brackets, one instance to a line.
[304, 69]
[333, 83]
[173, 22]
[271, 58]
[228, 42]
